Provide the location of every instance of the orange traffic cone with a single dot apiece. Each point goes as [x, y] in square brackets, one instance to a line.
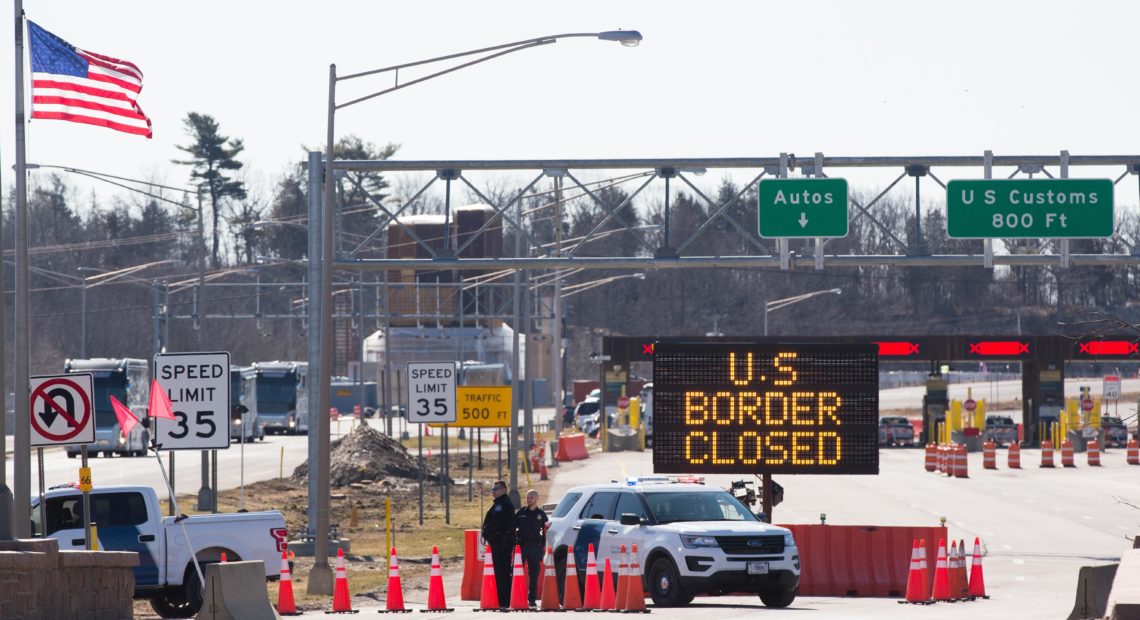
[395, 602]
[622, 581]
[518, 583]
[914, 584]
[571, 597]
[941, 590]
[342, 601]
[924, 562]
[635, 594]
[549, 583]
[608, 595]
[977, 581]
[952, 570]
[489, 593]
[592, 599]
[436, 599]
[963, 572]
[286, 606]
[495, 439]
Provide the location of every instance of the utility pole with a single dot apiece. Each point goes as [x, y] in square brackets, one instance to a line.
[205, 494]
[556, 327]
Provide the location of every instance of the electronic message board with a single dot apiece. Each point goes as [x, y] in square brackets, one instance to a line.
[755, 408]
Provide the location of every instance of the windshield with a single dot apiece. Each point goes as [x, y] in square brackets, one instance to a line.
[894, 421]
[588, 407]
[277, 394]
[108, 384]
[697, 506]
[1001, 421]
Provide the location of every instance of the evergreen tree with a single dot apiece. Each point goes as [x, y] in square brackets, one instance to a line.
[213, 156]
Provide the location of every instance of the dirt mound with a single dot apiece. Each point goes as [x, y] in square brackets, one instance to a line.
[367, 455]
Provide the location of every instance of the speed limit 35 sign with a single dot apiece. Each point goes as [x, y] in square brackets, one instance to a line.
[431, 392]
[199, 388]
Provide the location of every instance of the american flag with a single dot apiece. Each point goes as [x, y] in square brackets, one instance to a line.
[71, 84]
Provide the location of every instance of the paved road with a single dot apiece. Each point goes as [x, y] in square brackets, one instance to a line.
[264, 460]
[1039, 525]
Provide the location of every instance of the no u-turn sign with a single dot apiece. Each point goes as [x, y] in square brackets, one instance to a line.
[62, 412]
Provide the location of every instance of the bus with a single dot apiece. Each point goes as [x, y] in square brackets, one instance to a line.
[483, 373]
[128, 380]
[283, 396]
[243, 391]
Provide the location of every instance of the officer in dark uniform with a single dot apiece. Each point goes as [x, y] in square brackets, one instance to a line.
[499, 532]
[530, 527]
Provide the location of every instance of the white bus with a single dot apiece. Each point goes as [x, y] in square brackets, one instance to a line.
[128, 380]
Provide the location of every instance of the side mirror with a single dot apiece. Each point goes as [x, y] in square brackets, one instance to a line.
[630, 519]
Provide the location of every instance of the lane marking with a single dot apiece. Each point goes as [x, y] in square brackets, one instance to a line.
[1018, 561]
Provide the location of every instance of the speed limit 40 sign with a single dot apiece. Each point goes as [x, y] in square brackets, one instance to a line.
[199, 388]
[431, 392]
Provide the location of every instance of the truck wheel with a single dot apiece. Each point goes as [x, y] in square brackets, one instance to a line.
[192, 589]
[171, 605]
[665, 585]
[72, 455]
[778, 598]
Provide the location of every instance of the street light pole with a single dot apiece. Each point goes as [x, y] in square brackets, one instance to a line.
[788, 301]
[320, 578]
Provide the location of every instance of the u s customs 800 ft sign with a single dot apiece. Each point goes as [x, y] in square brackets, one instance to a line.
[765, 408]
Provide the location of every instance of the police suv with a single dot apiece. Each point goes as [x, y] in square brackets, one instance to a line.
[691, 539]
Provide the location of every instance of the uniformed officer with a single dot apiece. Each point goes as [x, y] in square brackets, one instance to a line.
[530, 527]
[499, 532]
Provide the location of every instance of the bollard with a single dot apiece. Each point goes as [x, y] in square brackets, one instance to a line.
[989, 455]
[931, 457]
[1047, 453]
[1094, 453]
[1014, 455]
[1067, 454]
[960, 463]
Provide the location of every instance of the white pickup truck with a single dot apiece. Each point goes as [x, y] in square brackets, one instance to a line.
[129, 518]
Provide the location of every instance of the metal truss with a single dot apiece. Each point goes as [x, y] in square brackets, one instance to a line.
[663, 255]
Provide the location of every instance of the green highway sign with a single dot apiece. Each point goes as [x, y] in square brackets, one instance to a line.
[1029, 209]
[802, 208]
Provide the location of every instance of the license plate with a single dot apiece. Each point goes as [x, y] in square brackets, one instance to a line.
[757, 568]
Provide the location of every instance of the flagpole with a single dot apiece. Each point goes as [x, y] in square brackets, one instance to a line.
[22, 463]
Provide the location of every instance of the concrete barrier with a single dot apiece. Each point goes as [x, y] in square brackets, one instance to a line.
[572, 448]
[1124, 597]
[472, 585]
[860, 560]
[1093, 586]
[237, 591]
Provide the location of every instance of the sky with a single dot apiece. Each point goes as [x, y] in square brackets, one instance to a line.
[711, 79]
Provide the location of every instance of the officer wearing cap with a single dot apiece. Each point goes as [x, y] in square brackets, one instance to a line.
[499, 533]
[530, 531]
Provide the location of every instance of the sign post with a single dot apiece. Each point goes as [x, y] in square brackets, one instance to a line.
[1029, 208]
[62, 413]
[431, 399]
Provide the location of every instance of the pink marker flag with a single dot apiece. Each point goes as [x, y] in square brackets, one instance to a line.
[160, 406]
[127, 420]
